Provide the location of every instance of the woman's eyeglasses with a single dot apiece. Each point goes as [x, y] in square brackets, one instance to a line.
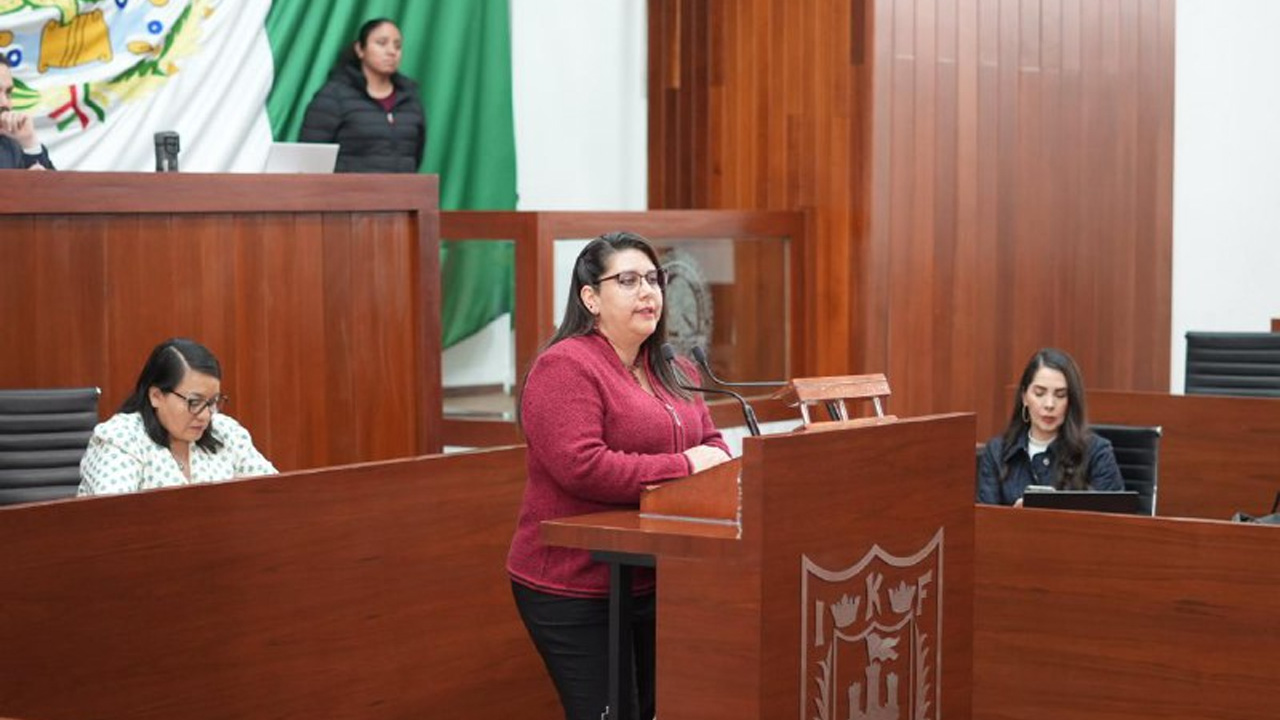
[197, 405]
[629, 280]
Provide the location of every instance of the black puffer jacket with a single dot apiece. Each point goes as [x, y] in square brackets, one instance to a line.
[371, 140]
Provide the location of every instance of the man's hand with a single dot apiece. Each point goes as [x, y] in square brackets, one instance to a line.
[20, 127]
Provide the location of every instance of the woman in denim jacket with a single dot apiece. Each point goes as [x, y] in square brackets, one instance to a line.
[1047, 440]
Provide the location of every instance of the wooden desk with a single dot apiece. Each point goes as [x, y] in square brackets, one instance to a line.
[1217, 454]
[368, 592]
[1083, 615]
[318, 293]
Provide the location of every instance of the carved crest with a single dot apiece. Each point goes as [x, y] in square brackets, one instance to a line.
[870, 637]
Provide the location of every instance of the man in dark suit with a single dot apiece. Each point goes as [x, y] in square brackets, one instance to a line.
[19, 147]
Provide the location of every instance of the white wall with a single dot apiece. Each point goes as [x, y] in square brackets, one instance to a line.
[579, 70]
[1226, 219]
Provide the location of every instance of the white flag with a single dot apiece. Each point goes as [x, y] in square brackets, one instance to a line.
[101, 78]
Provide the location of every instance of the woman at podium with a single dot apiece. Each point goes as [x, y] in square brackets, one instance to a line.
[171, 431]
[603, 416]
[1047, 440]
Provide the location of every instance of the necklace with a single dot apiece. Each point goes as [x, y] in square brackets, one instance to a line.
[182, 467]
[637, 371]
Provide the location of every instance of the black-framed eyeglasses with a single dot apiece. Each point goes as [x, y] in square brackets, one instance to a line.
[197, 405]
[629, 280]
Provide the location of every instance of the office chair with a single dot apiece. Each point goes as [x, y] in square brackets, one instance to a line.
[1137, 450]
[1233, 363]
[43, 435]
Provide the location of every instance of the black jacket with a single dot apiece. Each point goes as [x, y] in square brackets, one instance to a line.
[370, 139]
[1024, 470]
[12, 157]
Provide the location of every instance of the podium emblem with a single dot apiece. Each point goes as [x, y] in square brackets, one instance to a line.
[870, 637]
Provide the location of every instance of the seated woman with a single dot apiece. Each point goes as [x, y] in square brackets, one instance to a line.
[1047, 441]
[171, 430]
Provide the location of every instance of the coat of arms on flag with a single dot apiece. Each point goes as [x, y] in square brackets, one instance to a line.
[73, 60]
[870, 637]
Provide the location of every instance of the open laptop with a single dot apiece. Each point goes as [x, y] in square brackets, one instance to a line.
[285, 157]
[1125, 502]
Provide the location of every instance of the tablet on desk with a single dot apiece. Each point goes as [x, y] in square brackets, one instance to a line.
[1125, 502]
[285, 157]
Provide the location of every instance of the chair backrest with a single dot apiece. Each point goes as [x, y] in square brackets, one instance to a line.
[43, 435]
[832, 392]
[1233, 363]
[1137, 451]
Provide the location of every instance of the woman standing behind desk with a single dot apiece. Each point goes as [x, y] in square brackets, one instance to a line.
[368, 108]
[603, 416]
[171, 431]
[1047, 441]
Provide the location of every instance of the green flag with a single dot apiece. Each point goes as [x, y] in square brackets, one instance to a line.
[459, 53]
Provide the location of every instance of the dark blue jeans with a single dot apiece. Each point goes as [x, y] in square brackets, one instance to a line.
[572, 635]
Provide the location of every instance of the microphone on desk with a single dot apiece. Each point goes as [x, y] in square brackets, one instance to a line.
[168, 146]
[700, 356]
[669, 354]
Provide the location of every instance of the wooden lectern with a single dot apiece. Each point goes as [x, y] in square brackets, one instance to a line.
[831, 579]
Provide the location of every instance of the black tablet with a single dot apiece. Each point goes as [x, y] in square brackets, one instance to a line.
[1109, 502]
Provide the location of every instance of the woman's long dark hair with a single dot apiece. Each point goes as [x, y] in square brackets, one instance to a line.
[1072, 471]
[164, 370]
[578, 320]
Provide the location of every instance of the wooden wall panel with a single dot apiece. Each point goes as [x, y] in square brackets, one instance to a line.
[749, 109]
[986, 177]
[309, 290]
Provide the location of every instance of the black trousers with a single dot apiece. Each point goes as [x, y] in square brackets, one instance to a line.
[572, 635]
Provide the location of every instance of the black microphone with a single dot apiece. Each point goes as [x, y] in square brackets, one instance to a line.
[669, 354]
[167, 148]
[700, 356]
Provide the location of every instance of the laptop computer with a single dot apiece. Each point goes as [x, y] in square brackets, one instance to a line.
[1125, 502]
[284, 157]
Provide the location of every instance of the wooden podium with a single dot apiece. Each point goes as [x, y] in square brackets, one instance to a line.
[842, 586]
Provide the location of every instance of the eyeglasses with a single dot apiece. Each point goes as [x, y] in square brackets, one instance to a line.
[629, 280]
[197, 405]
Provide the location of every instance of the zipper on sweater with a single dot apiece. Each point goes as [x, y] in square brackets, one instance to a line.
[677, 428]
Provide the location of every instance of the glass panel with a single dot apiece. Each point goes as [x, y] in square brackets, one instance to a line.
[478, 371]
[730, 296]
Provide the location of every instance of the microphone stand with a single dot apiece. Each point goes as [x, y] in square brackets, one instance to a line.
[669, 354]
[700, 356]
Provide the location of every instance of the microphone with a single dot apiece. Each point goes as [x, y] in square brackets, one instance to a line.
[669, 354]
[700, 356]
[167, 148]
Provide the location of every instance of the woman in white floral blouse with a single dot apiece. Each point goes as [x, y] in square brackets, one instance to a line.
[171, 430]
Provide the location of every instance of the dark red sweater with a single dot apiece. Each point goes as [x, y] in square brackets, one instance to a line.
[595, 439]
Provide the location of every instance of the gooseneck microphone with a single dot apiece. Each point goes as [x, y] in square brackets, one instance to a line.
[669, 354]
[700, 356]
